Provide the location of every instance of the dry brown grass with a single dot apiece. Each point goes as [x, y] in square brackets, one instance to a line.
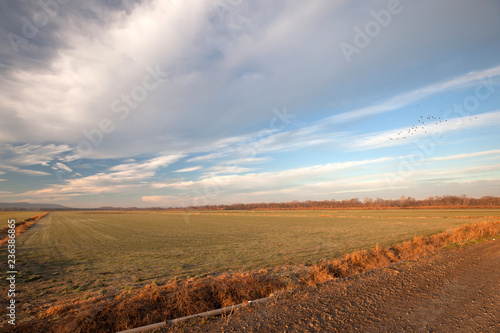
[181, 298]
[157, 303]
[361, 261]
[20, 228]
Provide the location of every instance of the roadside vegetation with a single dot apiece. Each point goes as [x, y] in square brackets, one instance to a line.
[16, 215]
[21, 225]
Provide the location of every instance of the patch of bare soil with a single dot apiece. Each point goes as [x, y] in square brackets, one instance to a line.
[453, 290]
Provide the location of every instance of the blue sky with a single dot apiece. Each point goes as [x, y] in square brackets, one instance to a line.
[178, 103]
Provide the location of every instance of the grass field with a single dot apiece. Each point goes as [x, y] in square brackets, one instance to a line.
[82, 254]
[99, 250]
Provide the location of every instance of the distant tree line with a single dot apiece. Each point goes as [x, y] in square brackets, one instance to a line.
[446, 201]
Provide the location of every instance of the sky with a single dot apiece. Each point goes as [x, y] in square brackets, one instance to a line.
[179, 103]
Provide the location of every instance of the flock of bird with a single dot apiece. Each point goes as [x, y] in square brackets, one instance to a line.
[420, 126]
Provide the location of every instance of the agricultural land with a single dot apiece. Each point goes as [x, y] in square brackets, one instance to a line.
[72, 257]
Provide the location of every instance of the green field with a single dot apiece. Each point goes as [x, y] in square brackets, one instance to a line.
[76, 255]
[85, 252]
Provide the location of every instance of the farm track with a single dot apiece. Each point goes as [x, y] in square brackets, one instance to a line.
[454, 290]
[43, 233]
[42, 230]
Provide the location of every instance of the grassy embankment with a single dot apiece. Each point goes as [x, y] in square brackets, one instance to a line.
[22, 223]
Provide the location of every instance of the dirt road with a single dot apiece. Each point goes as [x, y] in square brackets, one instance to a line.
[454, 290]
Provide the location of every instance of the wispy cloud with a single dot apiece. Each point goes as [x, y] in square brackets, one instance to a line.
[225, 169]
[118, 178]
[250, 148]
[440, 174]
[62, 167]
[248, 160]
[421, 183]
[147, 166]
[278, 179]
[464, 156]
[12, 168]
[404, 99]
[30, 154]
[190, 169]
[157, 198]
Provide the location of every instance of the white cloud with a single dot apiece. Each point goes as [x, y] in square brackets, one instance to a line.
[425, 174]
[84, 79]
[225, 169]
[25, 171]
[122, 177]
[149, 165]
[248, 160]
[63, 167]
[464, 156]
[167, 200]
[189, 169]
[30, 154]
[277, 179]
[422, 182]
[157, 198]
[15, 157]
[247, 148]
